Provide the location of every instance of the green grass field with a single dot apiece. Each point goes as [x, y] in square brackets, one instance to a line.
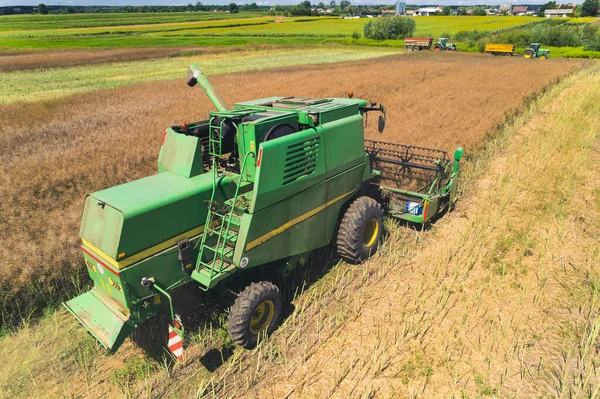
[178, 29]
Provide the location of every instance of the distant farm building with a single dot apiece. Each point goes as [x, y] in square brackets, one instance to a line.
[564, 13]
[519, 10]
[400, 7]
[428, 11]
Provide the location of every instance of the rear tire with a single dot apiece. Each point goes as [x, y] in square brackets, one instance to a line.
[254, 314]
[360, 230]
[528, 54]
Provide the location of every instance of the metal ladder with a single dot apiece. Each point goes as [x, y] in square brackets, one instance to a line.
[223, 225]
[215, 137]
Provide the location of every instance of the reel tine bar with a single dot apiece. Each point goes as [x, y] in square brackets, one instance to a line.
[398, 162]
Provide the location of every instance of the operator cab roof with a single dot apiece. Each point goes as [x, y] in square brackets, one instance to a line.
[302, 104]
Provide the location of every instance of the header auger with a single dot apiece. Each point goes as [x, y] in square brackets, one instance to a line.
[266, 182]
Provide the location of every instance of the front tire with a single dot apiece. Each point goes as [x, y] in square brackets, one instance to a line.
[360, 230]
[254, 314]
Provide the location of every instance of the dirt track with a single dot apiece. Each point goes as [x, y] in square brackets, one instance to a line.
[28, 60]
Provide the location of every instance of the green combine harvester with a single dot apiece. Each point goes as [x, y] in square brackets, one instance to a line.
[264, 183]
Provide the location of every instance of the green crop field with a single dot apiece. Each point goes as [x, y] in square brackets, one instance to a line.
[65, 21]
[178, 29]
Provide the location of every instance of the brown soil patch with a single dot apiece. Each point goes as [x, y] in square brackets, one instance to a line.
[20, 61]
[54, 153]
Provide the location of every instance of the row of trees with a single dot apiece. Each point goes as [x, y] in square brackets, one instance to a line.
[392, 28]
[197, 7]
[588, 8]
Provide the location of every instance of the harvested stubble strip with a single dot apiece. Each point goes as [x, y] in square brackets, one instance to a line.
[54, 153]
[27, 60]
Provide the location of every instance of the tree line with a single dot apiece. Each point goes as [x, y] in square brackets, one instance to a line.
[305, 8]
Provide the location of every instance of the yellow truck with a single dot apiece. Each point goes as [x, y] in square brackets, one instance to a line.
[500, 49]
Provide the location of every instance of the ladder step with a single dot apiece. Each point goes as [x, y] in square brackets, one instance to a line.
[205, 264]
[214, 231]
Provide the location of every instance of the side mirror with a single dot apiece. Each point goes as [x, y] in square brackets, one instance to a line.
[381, 123]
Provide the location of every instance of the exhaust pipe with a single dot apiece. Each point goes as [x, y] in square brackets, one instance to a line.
[194, 76]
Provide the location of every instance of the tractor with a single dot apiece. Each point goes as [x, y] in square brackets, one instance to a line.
[443, 45]
[263, 183]
[534, 51]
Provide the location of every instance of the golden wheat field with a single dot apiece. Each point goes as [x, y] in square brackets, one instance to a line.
[56, 152]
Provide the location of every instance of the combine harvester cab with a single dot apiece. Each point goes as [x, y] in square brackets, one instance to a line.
[264, 183]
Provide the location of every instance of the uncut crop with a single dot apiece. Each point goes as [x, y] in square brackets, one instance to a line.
[56, 152]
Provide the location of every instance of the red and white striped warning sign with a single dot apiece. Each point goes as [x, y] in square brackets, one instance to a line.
[175, 344]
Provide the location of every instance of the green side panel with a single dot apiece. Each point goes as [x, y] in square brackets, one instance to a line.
[107, 280]
[101, 225]
[397, 209]
[107, 324]
[289, 164]
[181, 154]
[344, 143]
[246, 140]
[154, 209]
[298, 224]
[165, 268]
[433, 208]
[250, 134]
